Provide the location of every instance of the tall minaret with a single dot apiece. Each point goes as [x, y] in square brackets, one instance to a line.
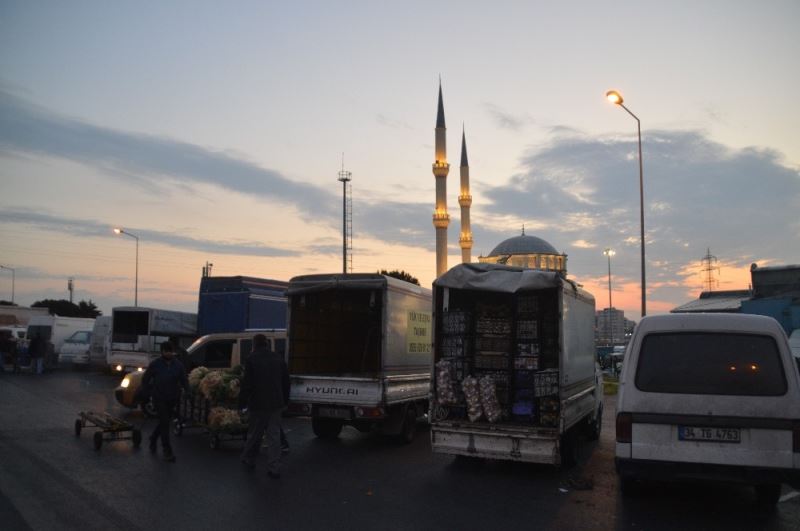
[465, 200]
[441, 219]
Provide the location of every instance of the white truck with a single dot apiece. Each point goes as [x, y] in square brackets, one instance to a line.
[359, 352]
[137, 333]
[528, 337]
[55, 329]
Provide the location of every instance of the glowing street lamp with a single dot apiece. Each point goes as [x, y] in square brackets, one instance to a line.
[616, 98]
[12, 281]
[136, 281]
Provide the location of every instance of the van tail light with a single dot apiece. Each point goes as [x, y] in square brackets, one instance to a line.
[624, 427]
[796, 436]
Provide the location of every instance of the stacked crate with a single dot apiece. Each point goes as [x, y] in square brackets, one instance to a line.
[535, 373]
[494, 348]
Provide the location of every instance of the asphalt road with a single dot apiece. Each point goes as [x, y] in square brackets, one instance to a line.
[50, 479]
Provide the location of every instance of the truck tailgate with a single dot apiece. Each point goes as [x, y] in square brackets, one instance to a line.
[496, 442]
[336, 390]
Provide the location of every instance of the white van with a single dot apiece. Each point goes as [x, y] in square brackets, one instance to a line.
[213, 351]
[55, 329]
[709, 397]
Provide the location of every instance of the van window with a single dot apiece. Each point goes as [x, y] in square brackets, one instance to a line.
[214, 354]
[710, 363]
[80, 337]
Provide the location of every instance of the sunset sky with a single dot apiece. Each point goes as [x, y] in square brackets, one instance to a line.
[215, 130]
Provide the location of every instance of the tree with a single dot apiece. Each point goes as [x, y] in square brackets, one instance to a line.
[400, 274]
[88, 309]
[64, 308]
[7, 303]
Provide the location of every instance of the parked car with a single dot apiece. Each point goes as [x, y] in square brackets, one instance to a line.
[709, 397]
[214, 351]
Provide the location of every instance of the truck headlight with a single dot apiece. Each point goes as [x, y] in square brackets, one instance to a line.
[125, 382]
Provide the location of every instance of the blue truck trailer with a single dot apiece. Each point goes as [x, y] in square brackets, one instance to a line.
[235, 304]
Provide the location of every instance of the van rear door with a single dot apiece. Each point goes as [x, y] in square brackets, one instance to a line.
[712, 397]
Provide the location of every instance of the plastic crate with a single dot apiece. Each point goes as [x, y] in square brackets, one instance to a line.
[546, 383]
[456, 323]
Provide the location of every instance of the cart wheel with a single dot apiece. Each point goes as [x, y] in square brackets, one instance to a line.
[177, 427]
[98, 440]
[78, 427]
[137, 438]
[214, 442]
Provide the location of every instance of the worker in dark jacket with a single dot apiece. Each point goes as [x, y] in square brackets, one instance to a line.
[164, 378]
[264, 393]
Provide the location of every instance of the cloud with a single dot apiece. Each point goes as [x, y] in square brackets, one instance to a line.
[742, 203]
[92, 228]
[504, 119]
[145, 159]
[391, 122]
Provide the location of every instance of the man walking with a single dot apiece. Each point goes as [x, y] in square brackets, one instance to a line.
[265, 393]
[37, 351]
[164, 378]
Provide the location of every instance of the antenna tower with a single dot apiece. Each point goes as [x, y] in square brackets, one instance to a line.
[347, 219]
[708, 270]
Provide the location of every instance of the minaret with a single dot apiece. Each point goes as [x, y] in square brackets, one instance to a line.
[465, 200]
[441, 219]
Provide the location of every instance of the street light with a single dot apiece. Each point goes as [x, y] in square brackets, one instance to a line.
[136, 281]
[12, 281]
[616, 98]
[609, 253]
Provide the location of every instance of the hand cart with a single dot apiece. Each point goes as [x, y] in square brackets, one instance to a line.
[193, 412]
[110, 427]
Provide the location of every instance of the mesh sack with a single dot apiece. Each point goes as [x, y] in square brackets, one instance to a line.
[473, 396]
[491, 406]
[445, 383]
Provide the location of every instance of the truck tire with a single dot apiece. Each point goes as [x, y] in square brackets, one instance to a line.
[326, 428]
[570, 448]
[149, 408]
[409, 428]
[768, 495]
[136, 437]
[594, 427]
[98, 440]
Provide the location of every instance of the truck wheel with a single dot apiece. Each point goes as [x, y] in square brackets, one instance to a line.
[98, 440]
[768, 495]
[595, 426]
[326, 428]
[149, 409]
[177, 427]
[78, 427]
[136, 436]
[628, 486]
[570, 448]
[409, 429]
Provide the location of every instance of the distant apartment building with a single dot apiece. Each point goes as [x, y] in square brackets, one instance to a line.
[610, 326]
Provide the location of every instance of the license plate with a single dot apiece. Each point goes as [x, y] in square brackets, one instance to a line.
[697, 433]
[334, 413]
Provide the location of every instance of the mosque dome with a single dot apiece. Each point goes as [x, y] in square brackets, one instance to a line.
[527, 251]
[523, 244]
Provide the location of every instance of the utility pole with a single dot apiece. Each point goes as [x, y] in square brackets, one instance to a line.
[71, 288]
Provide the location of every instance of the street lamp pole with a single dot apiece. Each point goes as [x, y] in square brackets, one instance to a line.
[136, 278]
[615, 97]
[12, 281]
[609, 253]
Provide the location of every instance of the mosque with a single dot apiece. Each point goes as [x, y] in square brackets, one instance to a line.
[520, 251]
